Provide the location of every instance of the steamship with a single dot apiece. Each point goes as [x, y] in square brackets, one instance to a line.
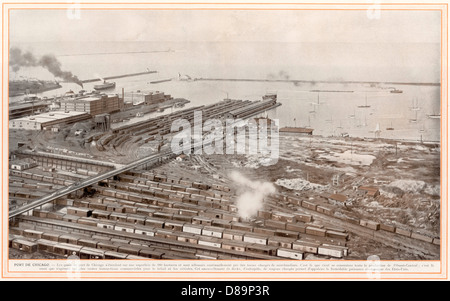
[105, 85]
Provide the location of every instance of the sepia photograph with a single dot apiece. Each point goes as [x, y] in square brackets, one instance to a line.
[225, 133]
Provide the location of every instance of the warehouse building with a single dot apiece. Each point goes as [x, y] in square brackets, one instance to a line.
[93, 104]
[338, 199]
[146, 98]
[26, 109]
[369, 191]
[22, 164]
[47, 120]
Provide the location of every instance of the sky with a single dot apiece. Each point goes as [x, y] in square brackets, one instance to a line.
[229, 25]
[399, 45]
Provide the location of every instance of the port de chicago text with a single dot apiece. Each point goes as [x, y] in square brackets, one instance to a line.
[240, 137]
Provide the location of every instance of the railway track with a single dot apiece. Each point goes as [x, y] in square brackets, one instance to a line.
[386, 238]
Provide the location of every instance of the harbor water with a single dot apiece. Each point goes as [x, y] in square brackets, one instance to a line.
[355, 110]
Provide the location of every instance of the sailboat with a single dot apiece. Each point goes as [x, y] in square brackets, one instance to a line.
[366, 106]
[309, 122]
[352, 116]
[422, 129]
[415, 106]
[318, 100]
[377, 130]
[314, 108]
[414, 120]
[391, 128]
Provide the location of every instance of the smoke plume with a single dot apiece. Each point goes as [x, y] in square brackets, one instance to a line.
[251, 199]
[19, 59]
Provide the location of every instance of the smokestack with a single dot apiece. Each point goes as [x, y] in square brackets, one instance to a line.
[18, 59]
[123, 94]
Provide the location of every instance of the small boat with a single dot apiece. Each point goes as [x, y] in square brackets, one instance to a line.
[391, 128]
[414, 120]
[105, 85]
[366, 106]
[396, 91]
[434, 116]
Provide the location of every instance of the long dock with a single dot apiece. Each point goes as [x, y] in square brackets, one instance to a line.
[118, 76]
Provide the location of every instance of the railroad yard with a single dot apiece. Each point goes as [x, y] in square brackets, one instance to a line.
[329, 197]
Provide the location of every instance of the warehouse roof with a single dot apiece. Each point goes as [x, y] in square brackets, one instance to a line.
[90, 98]
[296, 130]
[338, 197]
[49, 116]
[27, 105]
[368, 188]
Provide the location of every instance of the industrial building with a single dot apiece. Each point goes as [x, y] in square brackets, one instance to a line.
[147, 98]
[369, 191]
[27, 108]
[47, 120]
[155, 97]
[22, 164]
[93, 104]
